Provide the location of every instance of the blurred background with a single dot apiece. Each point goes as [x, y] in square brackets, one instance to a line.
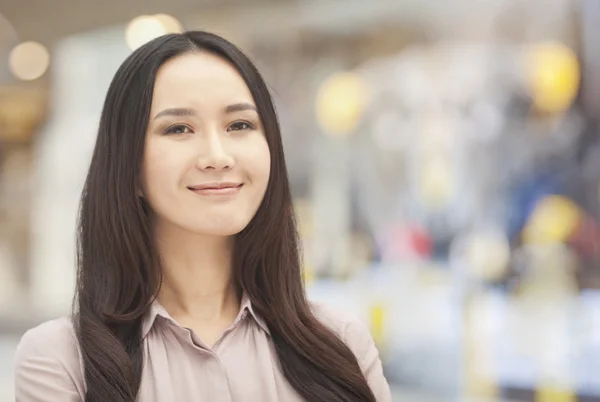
[444, 159]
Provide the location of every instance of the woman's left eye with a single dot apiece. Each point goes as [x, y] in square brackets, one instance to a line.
[240, 125]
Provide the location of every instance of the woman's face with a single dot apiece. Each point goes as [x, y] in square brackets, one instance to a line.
[206, 162]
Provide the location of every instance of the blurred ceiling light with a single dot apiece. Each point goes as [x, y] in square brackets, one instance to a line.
[29, 61]
[553, 73]
[340, 103]
[144, 28]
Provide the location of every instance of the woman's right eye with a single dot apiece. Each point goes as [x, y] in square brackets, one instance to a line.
[178, 129]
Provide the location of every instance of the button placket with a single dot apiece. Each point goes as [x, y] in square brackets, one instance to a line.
[219, 378]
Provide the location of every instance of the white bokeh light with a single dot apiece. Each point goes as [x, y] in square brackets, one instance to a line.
[29, 61]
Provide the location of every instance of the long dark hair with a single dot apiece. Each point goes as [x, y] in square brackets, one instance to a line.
[119, 273]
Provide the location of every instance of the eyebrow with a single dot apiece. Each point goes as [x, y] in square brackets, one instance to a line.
[183, 112]
[240, 107]
[177, 112]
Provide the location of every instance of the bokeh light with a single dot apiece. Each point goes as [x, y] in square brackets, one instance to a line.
[484, 253]
[436, 182]
[554, 219]
[144, 28]
[169, 23]
[407, 242]
[29, 60]
[340, 103]
[553, 71]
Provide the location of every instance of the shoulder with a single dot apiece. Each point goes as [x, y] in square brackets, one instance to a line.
[338, 320]
[351, 329]
[52, 337]
[356, 335]
[48, 360]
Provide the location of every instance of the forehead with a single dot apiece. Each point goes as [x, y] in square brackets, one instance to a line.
[199, 76]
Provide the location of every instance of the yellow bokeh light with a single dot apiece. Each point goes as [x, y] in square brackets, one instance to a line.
[553, 73]
[377, 322]
[553, 220]
[144, 28]
[308, 274]
[436, 181]
[548, 392]
[340, 103]
[29, 60]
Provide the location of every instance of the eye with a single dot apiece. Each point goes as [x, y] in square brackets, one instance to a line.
[240, 125]
[178, 129]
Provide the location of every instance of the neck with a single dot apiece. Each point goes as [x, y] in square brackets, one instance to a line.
[197, 275]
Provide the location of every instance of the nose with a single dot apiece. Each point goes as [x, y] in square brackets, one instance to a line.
[214, 154]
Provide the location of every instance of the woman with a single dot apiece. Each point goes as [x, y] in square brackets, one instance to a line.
[189, 280]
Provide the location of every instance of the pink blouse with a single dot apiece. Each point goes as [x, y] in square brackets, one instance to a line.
[241, 366]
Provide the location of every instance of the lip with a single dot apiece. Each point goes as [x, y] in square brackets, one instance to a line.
[220, 188]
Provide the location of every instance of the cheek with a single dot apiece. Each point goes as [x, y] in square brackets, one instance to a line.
[159, 170]
[261, 163]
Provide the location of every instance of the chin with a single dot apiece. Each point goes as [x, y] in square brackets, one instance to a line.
[224, 227]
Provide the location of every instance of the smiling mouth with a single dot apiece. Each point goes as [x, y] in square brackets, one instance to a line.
[216, 189]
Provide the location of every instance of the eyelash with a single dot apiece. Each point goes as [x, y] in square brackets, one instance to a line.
[171, 129]
[237, 123]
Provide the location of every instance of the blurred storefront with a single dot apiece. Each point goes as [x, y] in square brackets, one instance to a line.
[445, 166]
